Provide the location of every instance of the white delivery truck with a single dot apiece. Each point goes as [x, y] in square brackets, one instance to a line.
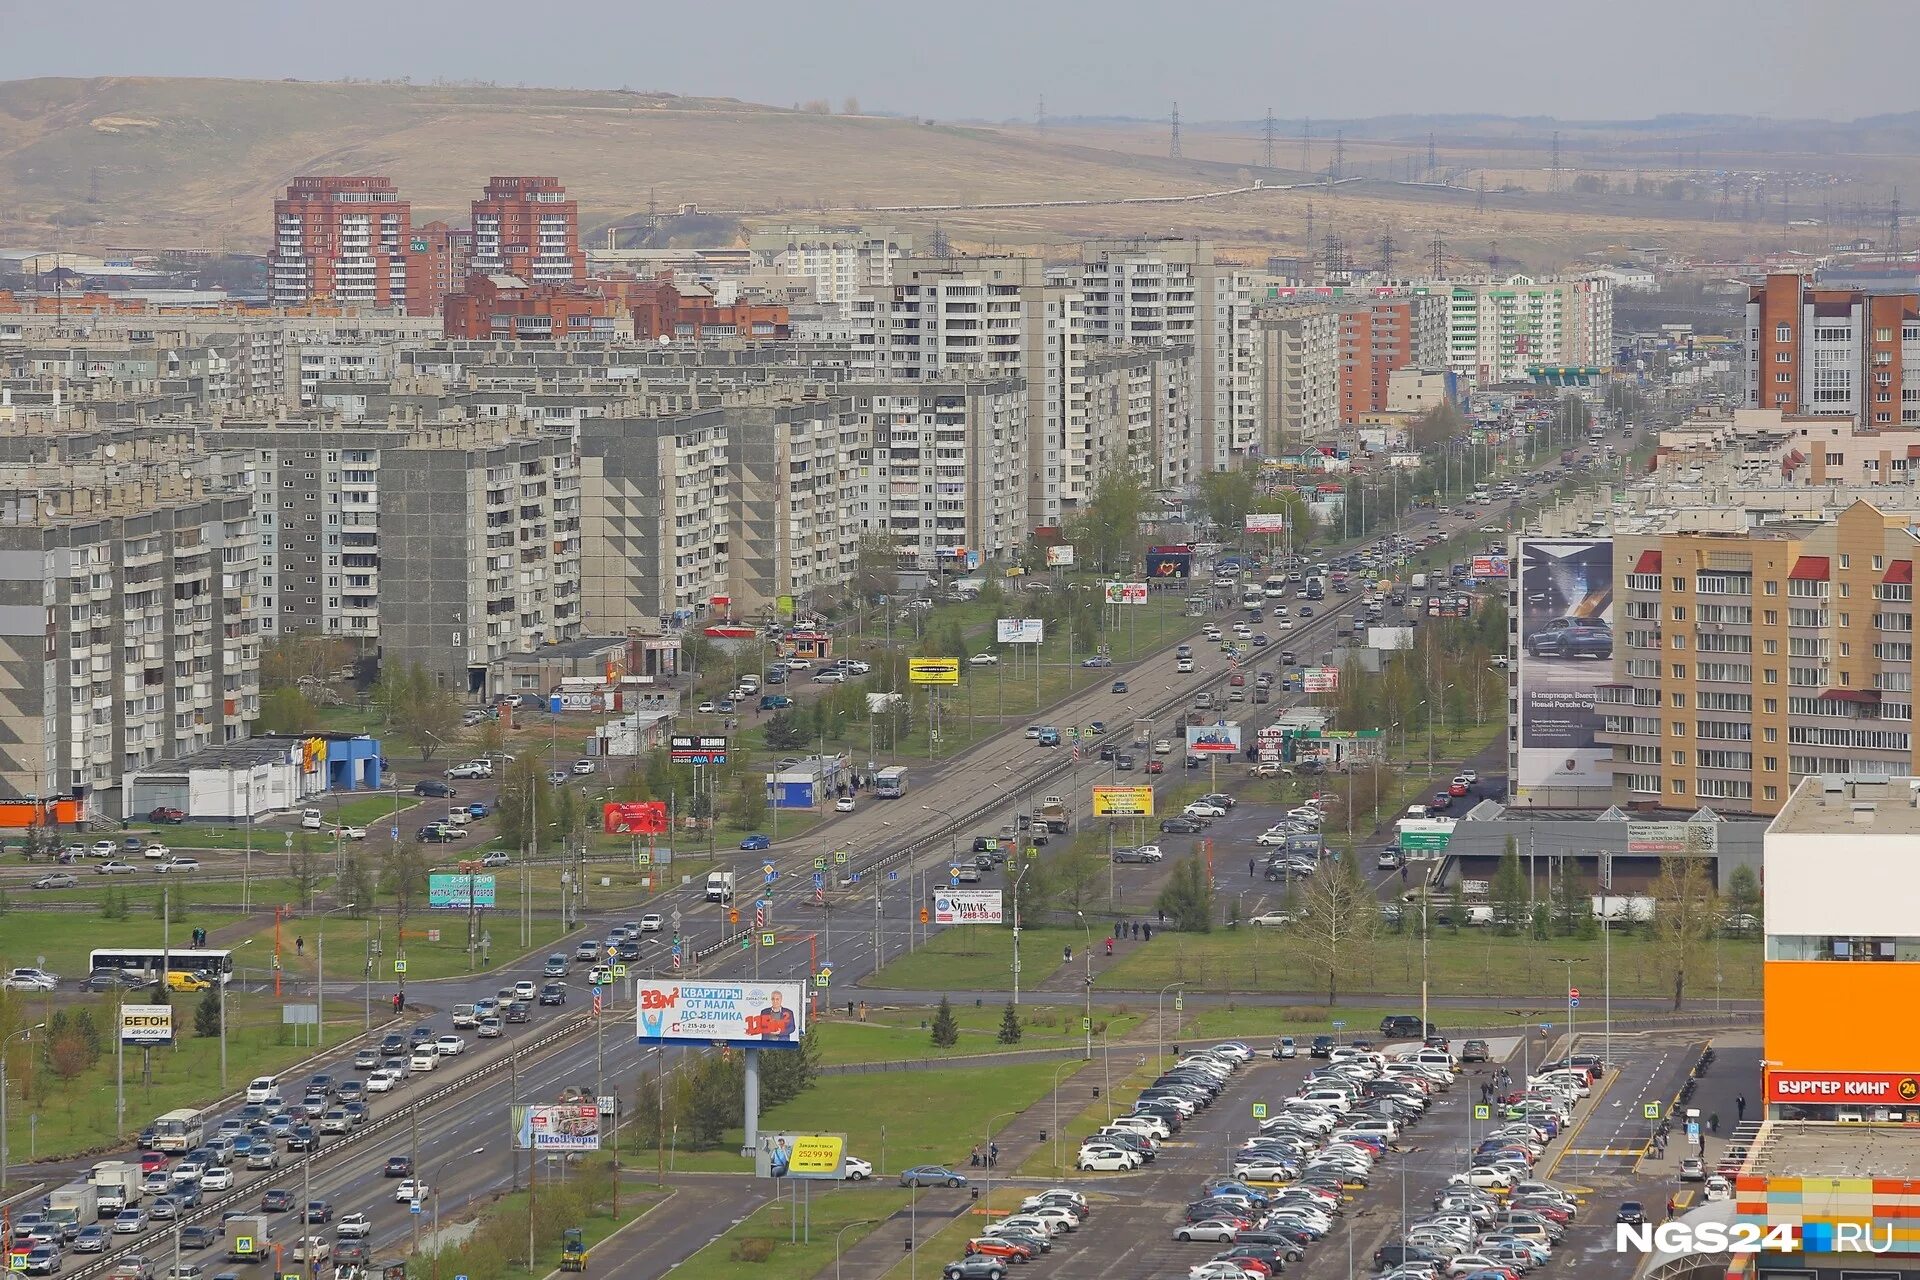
[720, 886]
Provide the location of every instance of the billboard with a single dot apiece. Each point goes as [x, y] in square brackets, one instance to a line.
[1218, 739]
[1320, 680]
[1266, 522]
[1019, 630]
[1654, 838]
[746, 1015]
[1123, 802]
[697, 748]
[1424, 835]
[967, 906]
[1566, 648]
[566, 1126]
[1390, 639]
[460, 890]
[1126, 593]
[645, 818]
[145, 1024]
[933, 670]
[801, 1155]
[1170, 562]
[1489, 566]
[1060, 557]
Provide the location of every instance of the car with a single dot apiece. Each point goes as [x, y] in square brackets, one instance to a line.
[1216, 1229]
[179, 864]
[1475, 1051]
[114, 867]
[975, 1267]
[437, 790]
[843, 804]
[1098, 660]
[489, 1029]
[1693, 1169]
[317, 1211]
[1571, 638]
[1015, 1247]
[167, 814]
[42, 1260]
[1285, 1047]
[276, 1200]
[412, 1189]
[312, 1249]
[355, 1226]
[424, 1058]
[1717, 1188]
[1204, 809]
[1105, 1158]
[91, 1238]
[130, 1221]
[650, 922]
[218, 1178]
[57, 880]
[1272, 919]
[984, 660]
[830, 675]
[382, 1081]
[1181, 826]
[931, 1175]
[1631, 1213]
[496, 858]
[756, 842]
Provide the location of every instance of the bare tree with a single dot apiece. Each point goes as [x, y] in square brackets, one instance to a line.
[1685, 914]
[1340, 919]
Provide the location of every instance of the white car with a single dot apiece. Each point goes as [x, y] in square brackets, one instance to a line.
[582, 767]
[983, 660]
[179, 864]
[1052, 1213]
[218, 1178]
[856, 1170]
[1218, 1230]
[261, 1088]
[450, 1046]
[650, 922]
[310, 820]
[352, 833]
[832, 675]
[1205, 809]
[856, 667]
[156, 852]
[1488, 1176]
[1308, 814]
[798, 664]
[103, 849]
[525, 990]
[381, 1081]
[1273, 919]
[1272, 839]
[1151, 852]
[1265, 1171]
[1031, 1223]
[1053, 1195]
[423, 1059]
[844, 804]
[1105, 1159]
[412, 1189]
[354, 1226]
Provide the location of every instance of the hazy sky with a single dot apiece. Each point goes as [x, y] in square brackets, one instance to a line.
[1221, 59]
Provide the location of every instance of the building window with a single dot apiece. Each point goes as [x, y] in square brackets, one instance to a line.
[1783, 333]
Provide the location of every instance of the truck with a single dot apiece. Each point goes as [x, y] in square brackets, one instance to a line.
[116, 1185]
[465, 1015]
[250, 1238]
[72, 1206]
[1053, 812]
[719, 886]
[1418, 582]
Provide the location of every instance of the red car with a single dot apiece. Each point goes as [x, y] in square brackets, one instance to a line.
[152, 1161]
[1156, 766]
[164, 814]
[1456, 788]
[995, 1247]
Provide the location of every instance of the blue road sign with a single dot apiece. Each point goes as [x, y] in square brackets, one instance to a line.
[1573, 1002]
[953, 882]
[855, 877]
[595, 993]
[893, 875]
[413, 1206]
[769, 879]
[819, 879]
[394, 832]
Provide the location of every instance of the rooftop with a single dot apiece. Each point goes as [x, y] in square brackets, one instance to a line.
[1814, 1149]
[250, 753]
[1853, 804]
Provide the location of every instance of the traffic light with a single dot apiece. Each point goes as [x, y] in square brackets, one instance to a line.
[923, 915]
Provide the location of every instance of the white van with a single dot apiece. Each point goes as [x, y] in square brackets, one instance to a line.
[310, 820]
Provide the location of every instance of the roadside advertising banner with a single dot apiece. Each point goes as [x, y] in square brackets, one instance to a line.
[1123, 802]
[1566, 649]
[1220, 739]
[967, 906]
[567, 1126]
[761, 1015]
[801, 1155]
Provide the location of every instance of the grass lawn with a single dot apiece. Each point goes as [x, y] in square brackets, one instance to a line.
[63, 938]
[981, 959]
[1471, 962]
[759, 1245]
[1261, 1025]
[887, 1117]
[75, 1116]
[937, 1248]
[898, 1034]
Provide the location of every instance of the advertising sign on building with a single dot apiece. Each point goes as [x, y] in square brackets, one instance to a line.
[1020, 630]
[697, 748]
[933, 670]
[566, 1126]
[1060, 557]
[1216, 739]
[966, 906]
[1836, 1087]
[1320, 679]
[145, 1024]
[1489, 566]
[1566, 649]
[1424, 835]
[1123, 802]
[459, 890]
[801, 1155]
[1174, 561]
[1266, 522]
[746, 1015]
[1126, 593]
[1701, 838]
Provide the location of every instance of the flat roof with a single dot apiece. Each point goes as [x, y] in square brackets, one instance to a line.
[1816, 1149]
[1851, 804]
[245, 754]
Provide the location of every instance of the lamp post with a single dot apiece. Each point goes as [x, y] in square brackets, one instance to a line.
[986, 1149]
[1056, 1111]
[858, 1222]
[22, 1034]
[1088, 1023]
[1159, 1022]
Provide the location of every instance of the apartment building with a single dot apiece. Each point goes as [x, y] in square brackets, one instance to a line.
[840, 261]
[1498, 329]
[439, 259]
[665, 307]
[945, 472]
[1171, 290]
[794, 498]
[128, 609]
[1381, 335]
[526, 227]
[340, 239]
[1142, 400]
[1840, 352]
[1300, 374]
[1748, 660]
[507, 306]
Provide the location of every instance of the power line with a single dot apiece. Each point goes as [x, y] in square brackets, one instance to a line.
[1387, 246]
[1173, 146]
[1432, 162]
[1439, 256]
[1893, 229]
[1266, 155]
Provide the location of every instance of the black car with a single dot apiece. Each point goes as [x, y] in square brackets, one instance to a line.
[392, 1043]
[435, 833]
[1405, 1026]
[1320, 1047]
[1632, 1213]
[398, 1167]
[419, 1035]
[1181, 826]
[438, 790]
[317, 1211]
[303, 1138]
[553, 993]
[517, 1011]
[110, 979]
[976, 1267]
[276, 1200]
[1389, 1256]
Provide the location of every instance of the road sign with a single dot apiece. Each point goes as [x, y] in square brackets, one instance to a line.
[1481, 1111]
[953, 871]
[1179, 1001]
[413, 1206]
[893, 875]
[1259, 1111]
[1650, 1110]
[1086, 1024]
[393, 833]
[243, 1244]
[642, 859]
[1573, 993]
[766, 939]
[596, 1002]
[840, 856]
[769, 878]
[760, 916]
[619, 971]
[855, 877]
[819, 879]
[766, 869]
[675, 917]
[1338, 1025]
[1573, 1002]
[596, 991]
[399, 966]
[826, 971]
[953, 882]
[606, 1102]
[820, 863]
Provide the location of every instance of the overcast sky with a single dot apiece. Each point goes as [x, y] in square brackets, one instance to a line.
[1221, 59]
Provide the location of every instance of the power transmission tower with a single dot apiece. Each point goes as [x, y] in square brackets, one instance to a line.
[1266, 154]
[940, 248]
[1306, 151]
[1334, 260]
[1432, 162]
[1493, 257]
[1040, 115]
[1553, 165]
[1309, 224]
[1387, 246]
[1339, 153]
[1439, 256]
[1480, 200]
[1893, 229]
[1173, 144]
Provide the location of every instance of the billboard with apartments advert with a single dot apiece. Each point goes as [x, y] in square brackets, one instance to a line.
[1565, 652]
[746, 1015]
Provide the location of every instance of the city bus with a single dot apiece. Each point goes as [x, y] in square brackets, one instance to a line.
[148, 961]
[181, 1130]
[890, 783]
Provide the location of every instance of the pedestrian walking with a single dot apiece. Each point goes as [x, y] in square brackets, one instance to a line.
[398, 1000]
[299, 946]
[1146, 932]
[1250, 868]
[1672, 1206]
[1739, 1107]
[1403, 873]
[1713, 1122]
[1109, 944]
[1163, 917]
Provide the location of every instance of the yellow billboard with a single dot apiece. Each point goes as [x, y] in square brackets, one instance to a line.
[933, 670]
[1123, 802]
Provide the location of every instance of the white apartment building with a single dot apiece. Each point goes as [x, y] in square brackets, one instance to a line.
[795, 500]
[1497, 329]
[946, 472]
[656, 515]
[1299, 374]
[1171, 290]
[841, 261]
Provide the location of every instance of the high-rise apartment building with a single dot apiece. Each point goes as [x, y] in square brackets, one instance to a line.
[1839, 352]
[1498, 329]
[1380, 335]
[526, 227]
[1300, 374]
[340, 239]
[841, 261]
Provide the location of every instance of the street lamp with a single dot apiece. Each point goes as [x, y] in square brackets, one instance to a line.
[1088, 926]
[21, 1034]
[1159, 1022]
[858, 1222]
[1056, 1111]
[986, 1151]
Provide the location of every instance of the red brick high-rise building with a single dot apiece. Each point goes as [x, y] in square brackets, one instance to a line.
[340, 239]
[504, 306]
[437, 257]
[1843, 352]
[527, 227]
[1379, 335]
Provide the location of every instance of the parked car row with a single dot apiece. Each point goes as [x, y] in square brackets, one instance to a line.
[1023, 1236]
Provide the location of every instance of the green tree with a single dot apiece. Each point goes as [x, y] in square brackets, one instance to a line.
[1572, 910]
[1743, 899]
[1685, 916]
[746, 800]
[526, 803]
[285, 710]
[305, 872]
[1433, 430]
[356, 884]
[714, 1103]
[784, 734]
[788, 1073]
[946, 1030]
[1509, 891]
[1108, 528]
[87, 1028]
[431, 713]
[206, 1015]
[876, 566]
[403, 877]
[1187, 897]
[1226, 497]
[1077, 872]
[1456, 906]
[1010, 1030]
